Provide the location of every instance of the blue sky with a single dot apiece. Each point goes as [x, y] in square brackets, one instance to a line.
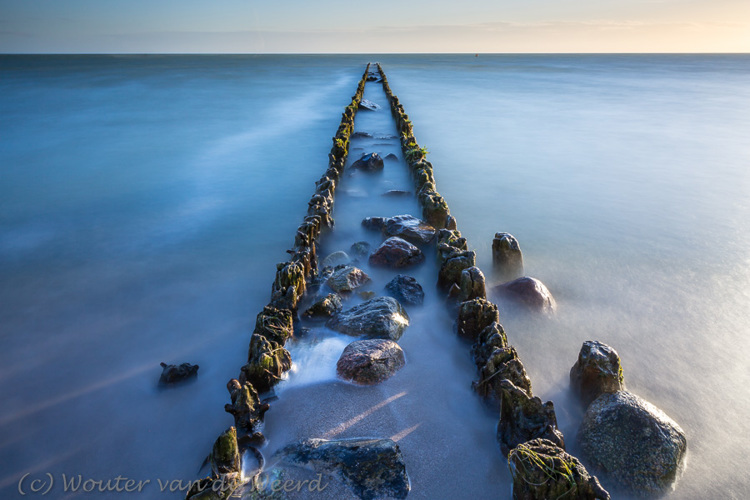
[384, 26]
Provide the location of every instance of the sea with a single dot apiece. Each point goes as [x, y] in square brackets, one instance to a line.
[146, 199]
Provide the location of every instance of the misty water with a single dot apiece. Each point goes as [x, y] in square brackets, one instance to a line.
[145, 200]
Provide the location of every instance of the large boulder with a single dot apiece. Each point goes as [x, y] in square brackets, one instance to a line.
[370, 361]
[523, 418]
[347, 278]
[371, 162]
[372, 468]
[507, 257]
[530, 292]
[406, 290]
[396, 252]
[542, 470]
[408, 227]
[325, 307]
[378, 318]
[596, 371]
[636, 443]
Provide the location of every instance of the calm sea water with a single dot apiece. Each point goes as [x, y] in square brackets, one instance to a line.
[144, 201]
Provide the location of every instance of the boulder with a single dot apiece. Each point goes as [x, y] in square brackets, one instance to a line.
[523, 418]
[275, 324]
[542, 470]
[347, 278]
[288, 286]
[266, 363]
[634, 442]
[406, 290]
[368, 105]
[597, 371]
[453, 266]
[172, 374]
[491, 338]
[371, 162]
[372, 468]
[408, 227]
[507, 258]
[378, 318]
[502, 364]
[396, 252]
[370, 361]
[336, 259]
[530, 292]
[471, 285]
[435, 210]
[474, 316]
[246, 407]
[326, 307]
[226, 474]
[360, 249]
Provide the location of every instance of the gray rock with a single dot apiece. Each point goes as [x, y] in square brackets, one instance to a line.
[378, 318]
[172, 374]
[471, 285]
[507, 257]
[408, 227]
[596, 371]
[347, 278]
[406, 290]
[396, 252]
[336, 259]
[371, 162]
[636, 443]
[372, 468]
[371, 361]
[360, 249]
[368, 105]
[326, 307]
[530, 292]
[542, 470]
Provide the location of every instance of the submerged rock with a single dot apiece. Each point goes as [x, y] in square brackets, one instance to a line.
[408, 227]
[397, 192]
[347, 278]
[523, 418]
[396, 252]
[636, 443]
[406, 290]
[528, 291]
[391, 156]
[507, 257]
[370, 361]
[542, 470]
[361, 135]
[596, 371]
[372, 468]
[371, 162]
[172, 374]
[326, 307]
[339, 258]
[474, 316]
[360, 249]
[378, 318]
[368, 105]
[246, 407]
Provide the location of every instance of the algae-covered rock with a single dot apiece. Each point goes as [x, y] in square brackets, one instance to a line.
[396, 252]
[288, 286]
[225, 455]
[490, 338]
[453, 266]
[406, 290]
[507, 257]
[172, 374]
[596, 371]
[474, 316]
[523, 418]
[502, 364]
[370, 361]
[347, 278]
[471, 285]
[542, 470]
[275, 324]
[246, 407]
[381, 317]
[372, 468]
[267, 362]
[530, 292]
[326, 307]
[634, 442]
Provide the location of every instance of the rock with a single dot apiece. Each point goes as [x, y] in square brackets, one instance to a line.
[366, 295]
[396, 252]
[226, 476]
[246, 407]
[523, 418]
[453, 266]
[542, 471]
[371, 162]
[491, 338]
[435, 210]
[407, 227]
[374, 222]
[502, 364]
[369, 362]
[347, 278]
[326, 307]
[389, 156]
[368, 105]
[266, 363]
[528, 291]
[597, 371]
[225, 455]
[474, 316]
[397, 192]
[378, 318]
[507, 257]
[172, 374]
[636, 443]
[275, 324]
[360, 249]
[450, 222]
[361, 135]
[471, 284]
[288, 286]
[339, 258]
[372, 468]
[406, 290]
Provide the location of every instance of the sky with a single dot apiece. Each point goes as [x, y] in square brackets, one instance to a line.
[382, 26]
